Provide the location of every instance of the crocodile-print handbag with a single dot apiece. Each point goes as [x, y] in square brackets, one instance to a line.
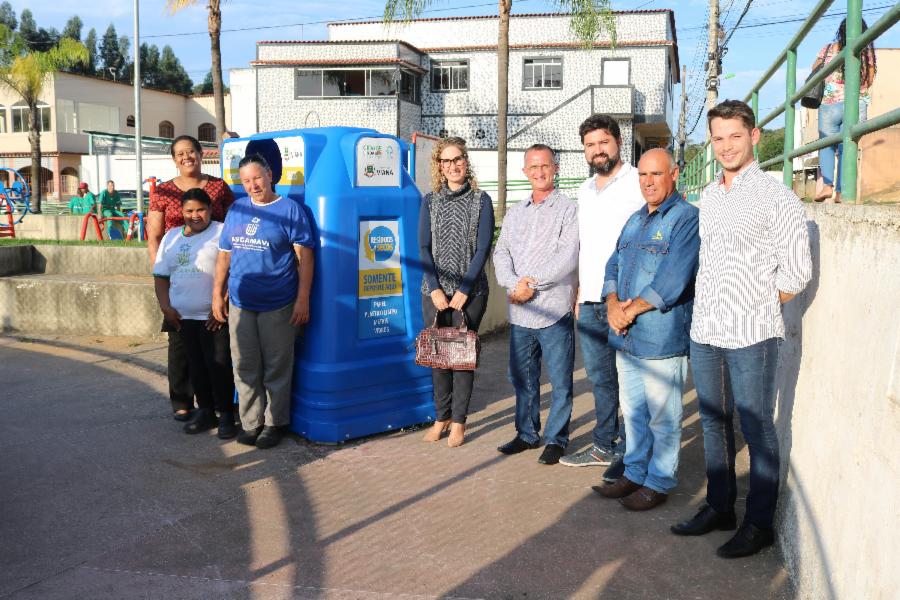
[454, 348]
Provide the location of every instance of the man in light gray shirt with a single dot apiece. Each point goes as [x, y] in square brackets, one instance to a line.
[536, 259]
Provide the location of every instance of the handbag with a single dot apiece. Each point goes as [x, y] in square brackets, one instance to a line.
[813, 98]
[454, 348]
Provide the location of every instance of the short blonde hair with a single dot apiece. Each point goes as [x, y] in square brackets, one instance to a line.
[437, 178]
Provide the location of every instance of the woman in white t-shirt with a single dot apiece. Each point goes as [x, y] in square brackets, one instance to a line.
[183, 276]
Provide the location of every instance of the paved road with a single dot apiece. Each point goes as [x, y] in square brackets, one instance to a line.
[102, 496]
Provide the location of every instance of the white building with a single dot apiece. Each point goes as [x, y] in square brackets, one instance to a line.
[439, 76]
[73, 105]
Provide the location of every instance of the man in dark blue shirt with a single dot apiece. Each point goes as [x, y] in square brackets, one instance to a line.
[649, 289]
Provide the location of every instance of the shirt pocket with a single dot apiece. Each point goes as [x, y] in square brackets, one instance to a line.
[651, 254]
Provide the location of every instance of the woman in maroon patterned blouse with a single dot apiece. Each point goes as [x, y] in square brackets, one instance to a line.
[165, 213]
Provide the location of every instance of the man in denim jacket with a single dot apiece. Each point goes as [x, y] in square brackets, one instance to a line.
[649, 288]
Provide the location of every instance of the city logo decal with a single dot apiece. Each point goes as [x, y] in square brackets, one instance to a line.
[380, 244]
[253, 226]
[370, 171]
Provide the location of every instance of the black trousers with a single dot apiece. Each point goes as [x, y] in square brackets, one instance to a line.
[453, 389]
[180, 391]
[209, 364]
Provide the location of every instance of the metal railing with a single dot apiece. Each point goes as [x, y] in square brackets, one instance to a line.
[701, 169]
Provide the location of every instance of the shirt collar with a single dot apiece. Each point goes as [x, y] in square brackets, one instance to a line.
[668, 203]
[549, 200]
[622, 172]
[749, 172]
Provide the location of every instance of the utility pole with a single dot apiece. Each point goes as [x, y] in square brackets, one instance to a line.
[136, 84]
[713, 61]
[682, 126]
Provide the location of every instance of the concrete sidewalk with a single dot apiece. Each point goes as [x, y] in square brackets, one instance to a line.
[104, 497]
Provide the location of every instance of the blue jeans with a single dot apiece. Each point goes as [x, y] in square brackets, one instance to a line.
[651, 391]
[526, 347]
[831, 119]
[600, 364]
[744, 377]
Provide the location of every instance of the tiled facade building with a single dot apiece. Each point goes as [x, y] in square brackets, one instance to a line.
[439, 76]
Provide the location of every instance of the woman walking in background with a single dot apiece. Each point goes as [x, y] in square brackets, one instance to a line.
[183, 276]
[831, 111]
[456, 228]
[165, 214]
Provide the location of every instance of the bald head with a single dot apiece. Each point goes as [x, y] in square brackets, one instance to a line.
[658, 174]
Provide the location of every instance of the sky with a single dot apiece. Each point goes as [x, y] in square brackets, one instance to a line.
[751, 50]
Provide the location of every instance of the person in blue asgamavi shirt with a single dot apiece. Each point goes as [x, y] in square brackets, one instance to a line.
[183, 277]
[649, 290]
[264, 275]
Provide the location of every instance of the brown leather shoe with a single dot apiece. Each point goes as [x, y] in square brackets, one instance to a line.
[619, 489]
[643, 499]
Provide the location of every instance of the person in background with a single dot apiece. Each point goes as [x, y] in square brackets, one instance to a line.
[831, 112]
[265, 271]
[456, 229]
[606, 200]
[754, 257]
[83, 202]
[111, 206]
[165, 214]
[183, 276]
[649, 286]
[535, 259]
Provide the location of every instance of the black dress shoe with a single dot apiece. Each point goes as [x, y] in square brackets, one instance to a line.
[227, 428]
[201, 420]
[515, 446]
[551, 454]
[704, 521]
[615, 470]
[269, 438]
[749, 540]
[248, 438]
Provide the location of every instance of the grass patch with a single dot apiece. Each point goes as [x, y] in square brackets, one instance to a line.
[105, 243]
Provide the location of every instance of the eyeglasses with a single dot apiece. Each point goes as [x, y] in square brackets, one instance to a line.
[446, 162]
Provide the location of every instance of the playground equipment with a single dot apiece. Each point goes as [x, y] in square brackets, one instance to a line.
[15, 196]
[134, 220]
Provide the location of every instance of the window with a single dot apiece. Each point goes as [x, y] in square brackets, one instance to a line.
[382, 83]
[166, 130]
[410, 87]
[69, 181]
[336, 83]
[129, 121]
[2, 119]
[20, 118]
[616, 71]
[309, 83]
[542, 73]
[344, 83]
[449, 75]
[206, 132]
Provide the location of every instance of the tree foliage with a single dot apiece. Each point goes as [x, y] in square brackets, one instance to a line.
[25, 70]
[8, 16]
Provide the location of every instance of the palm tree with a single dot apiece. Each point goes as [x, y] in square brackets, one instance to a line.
[214, 22]
[25, 72]
[589, 18]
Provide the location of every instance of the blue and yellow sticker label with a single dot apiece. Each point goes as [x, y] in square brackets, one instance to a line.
[380, 305]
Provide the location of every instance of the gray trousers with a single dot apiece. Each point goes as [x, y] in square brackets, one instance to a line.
[262, 351]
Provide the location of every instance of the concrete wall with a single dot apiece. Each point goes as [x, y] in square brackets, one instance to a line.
[52, 227]
[77, 290]
[839, 409]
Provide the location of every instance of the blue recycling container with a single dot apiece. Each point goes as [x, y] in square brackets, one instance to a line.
[354, 372]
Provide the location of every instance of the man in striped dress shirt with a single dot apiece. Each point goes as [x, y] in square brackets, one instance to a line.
[754, 257]
[535, 260]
